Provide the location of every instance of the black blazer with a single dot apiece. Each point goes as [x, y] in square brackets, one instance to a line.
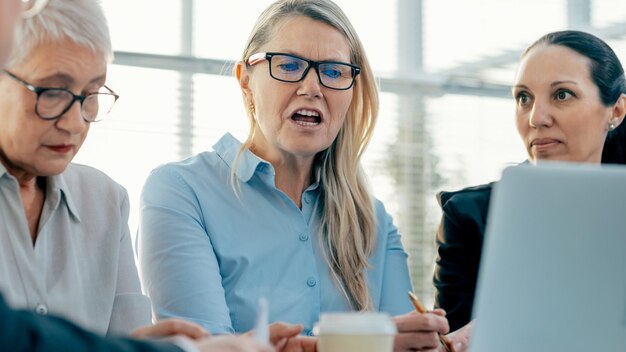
[459, 245]
[27, 331]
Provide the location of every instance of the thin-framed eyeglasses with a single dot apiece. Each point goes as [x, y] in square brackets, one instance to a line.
[31, 8]
[52, 103]
[293, 68]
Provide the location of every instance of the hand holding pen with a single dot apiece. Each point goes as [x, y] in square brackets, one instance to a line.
[419, 307]
[417, 331]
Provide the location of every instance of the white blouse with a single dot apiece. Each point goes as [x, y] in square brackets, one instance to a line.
[82, 265]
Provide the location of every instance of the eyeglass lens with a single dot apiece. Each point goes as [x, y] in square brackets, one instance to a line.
[292, 69]
[54, 102]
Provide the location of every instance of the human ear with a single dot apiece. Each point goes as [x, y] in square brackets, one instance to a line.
[619, 110]
[243, 77]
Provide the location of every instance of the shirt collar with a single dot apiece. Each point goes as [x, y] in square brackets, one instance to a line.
[58, 190]
[228, 147]
[3, 171]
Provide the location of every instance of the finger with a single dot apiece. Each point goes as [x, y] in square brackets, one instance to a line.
[308, 343]
[440, 312]
[416, 341]
[292, 345]
[460, 338]
[459, 347]
[261, 347]
[280, 344]
[422, 322]
[279, 331]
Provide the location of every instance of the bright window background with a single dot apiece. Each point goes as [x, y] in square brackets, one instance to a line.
[423, 143]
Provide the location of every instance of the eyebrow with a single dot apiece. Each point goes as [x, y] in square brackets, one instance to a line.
[520, 86]
[555, 83]
[561, 82]
[334, 59]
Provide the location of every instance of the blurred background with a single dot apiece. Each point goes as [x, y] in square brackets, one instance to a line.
[444, 68]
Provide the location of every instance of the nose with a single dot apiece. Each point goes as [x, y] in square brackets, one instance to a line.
[72, 120]
[310, 84]
[540, 115]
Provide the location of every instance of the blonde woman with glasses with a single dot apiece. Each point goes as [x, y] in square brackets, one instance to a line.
[287, 214]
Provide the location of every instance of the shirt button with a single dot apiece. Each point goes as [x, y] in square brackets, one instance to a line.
[41, 309]
[311, 282]
[307, 199]
[304, 237]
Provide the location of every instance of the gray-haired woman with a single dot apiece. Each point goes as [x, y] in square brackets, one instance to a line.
[65, 241]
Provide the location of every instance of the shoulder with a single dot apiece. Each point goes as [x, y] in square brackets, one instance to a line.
[197, 166]
[200, 174]
[466, 205]
[197, 163]
[379, 210]
[94, 195]
[470, 196]
[75, 172]
[384, 220]
[78, 176]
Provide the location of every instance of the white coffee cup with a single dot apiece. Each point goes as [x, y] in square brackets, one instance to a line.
[358, 332]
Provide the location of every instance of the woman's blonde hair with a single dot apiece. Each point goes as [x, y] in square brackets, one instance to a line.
[348, 222]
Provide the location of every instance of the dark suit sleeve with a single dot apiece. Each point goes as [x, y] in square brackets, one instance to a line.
[27, 331]
[459, 244]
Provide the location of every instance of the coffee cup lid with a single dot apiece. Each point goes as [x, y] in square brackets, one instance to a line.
[355, 323]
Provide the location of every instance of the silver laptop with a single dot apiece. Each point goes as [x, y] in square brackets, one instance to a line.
[553, 273]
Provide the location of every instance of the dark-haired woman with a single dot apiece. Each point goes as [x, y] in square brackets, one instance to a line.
[570, 101]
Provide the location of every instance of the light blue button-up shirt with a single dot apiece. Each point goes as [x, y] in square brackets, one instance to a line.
[207, 254]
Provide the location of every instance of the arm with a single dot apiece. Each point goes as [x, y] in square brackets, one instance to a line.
[459, 241]
[26, 331]
[415, 331]
[396, 281]
[131, 309]
[178, 264]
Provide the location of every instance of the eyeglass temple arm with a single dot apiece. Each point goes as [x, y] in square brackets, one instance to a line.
[256, 58]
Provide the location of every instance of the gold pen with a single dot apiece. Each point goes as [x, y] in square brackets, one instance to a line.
[419, 307]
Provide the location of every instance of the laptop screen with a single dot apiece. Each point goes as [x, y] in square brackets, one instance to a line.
[553, 272]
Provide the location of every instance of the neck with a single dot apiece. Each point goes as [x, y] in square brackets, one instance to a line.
[32, 195]
[293, 174]
[25, 179]
[293, 180]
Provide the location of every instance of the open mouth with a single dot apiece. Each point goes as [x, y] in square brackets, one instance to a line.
[306, 118]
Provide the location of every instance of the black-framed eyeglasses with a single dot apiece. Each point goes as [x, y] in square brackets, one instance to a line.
[292, 68]
[52, 103]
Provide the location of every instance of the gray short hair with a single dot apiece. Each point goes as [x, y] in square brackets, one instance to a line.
[80, 21]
